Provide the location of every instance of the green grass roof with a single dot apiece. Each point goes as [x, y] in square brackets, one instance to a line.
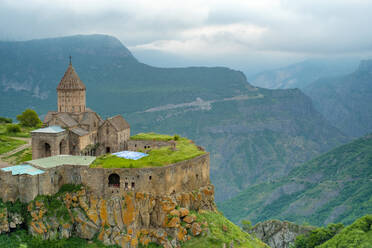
[58, 160]
[185, 150]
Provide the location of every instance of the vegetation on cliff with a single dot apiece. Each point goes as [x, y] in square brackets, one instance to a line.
[357, 235]
[335, 187]
[185, 149]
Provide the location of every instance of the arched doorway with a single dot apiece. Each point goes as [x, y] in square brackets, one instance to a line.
[47, 150]
[114, 180]
[63, 147]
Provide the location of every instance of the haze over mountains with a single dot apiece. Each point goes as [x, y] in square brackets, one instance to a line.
[254, 135]
[340, 90]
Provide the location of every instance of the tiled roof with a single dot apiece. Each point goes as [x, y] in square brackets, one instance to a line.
[118, 122]
[50, 129]
[71, 81]
[54, 161]
[79, 131]
[67, 119]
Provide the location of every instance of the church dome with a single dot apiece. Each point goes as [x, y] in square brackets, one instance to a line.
[71, 80]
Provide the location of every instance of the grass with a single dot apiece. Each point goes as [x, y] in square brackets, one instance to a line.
[25, 131]
[154, 136]
[21, 239]
[185, 150]
[358, 235]
[7, 144]
[221, 231]
[19, 157]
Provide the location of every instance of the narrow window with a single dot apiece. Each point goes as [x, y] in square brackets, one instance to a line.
[150, 177]
[133, 185]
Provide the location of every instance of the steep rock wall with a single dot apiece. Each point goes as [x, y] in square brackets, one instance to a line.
[127, 220]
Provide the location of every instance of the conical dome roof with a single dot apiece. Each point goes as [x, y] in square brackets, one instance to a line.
[70, 80]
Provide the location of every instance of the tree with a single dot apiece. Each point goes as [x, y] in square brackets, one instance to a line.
[5, 120]
[13, 128]
[29, 118]
[246, 225]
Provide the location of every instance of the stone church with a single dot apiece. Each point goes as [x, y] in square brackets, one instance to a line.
[75, 129]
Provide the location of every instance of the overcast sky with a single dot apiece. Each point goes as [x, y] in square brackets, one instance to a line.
[249, 35]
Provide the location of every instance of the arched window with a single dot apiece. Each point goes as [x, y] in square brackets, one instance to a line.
[114, 180]
[47, 150]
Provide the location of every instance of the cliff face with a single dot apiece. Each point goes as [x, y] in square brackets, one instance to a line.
[279, 234]
[126, 220]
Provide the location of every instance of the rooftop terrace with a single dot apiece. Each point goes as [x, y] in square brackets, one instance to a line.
[51, 162]
[185, 150]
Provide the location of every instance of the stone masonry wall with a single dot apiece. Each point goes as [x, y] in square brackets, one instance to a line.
[137, 145]
[184, 176]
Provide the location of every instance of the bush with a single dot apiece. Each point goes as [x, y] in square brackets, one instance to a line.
[5, 120]
[176, 137]
[318, 236]
[13, 128]
[29, 118]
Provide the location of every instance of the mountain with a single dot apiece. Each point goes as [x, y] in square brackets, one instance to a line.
[253, 134]
[334, 187]
[299, 75]
[346, 101]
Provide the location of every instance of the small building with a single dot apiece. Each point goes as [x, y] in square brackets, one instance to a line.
[75, 129]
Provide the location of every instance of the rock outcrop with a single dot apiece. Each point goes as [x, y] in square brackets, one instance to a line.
[9, 220]
[125, 220]
[278, 234]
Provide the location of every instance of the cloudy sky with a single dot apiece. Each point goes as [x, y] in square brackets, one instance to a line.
[249, 35]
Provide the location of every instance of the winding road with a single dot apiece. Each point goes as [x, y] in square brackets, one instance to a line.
[20, 148]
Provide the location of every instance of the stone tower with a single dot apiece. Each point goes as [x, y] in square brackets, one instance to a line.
[71, 92]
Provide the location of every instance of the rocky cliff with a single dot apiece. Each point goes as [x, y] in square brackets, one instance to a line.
[132, 219]
[279, 234]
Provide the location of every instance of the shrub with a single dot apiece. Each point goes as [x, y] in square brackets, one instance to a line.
[13, 128]
[5, 120]
[29, 118]
[176, 137]
[318, 236]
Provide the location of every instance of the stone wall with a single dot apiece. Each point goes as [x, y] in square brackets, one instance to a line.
[53, 140]
[180, 177]
[142, 145]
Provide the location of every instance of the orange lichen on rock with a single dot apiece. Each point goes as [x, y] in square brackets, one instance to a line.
[103, 212]
[184, 212]
[128, 213]
[174, 222]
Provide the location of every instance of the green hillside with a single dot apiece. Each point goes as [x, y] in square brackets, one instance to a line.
[335, 187]
[357, 235]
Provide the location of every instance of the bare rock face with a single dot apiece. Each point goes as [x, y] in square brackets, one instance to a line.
[126, 219]
[278, 234]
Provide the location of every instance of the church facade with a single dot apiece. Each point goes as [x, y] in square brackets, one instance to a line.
[75, 129]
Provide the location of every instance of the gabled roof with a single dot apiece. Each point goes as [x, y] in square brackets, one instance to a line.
[50, 129]
[79, 131]
[67, 119]
[71, 80]
[118, 122]
[89, 117]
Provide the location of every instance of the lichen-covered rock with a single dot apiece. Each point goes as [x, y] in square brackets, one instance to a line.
[196, 229]
[4, 224]
[125, 219]
[278, 234]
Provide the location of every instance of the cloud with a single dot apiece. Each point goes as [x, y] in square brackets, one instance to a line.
[209, 29]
